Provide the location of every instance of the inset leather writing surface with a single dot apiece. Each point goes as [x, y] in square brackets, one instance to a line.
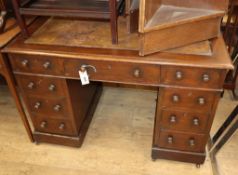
[75, 33]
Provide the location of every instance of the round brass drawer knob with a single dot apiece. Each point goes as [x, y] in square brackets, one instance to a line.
[37, 105]
[170, 139]
[175, 98]
[205, 77]
[137, 73]
[173, 119]
[191, 142]
[57, 108]
[47, 65]
[43, 124]
[179, 75]
[31, 85]
[25, 63]
[201, 101]
[196, 121]
[52, 87]
[62, 126]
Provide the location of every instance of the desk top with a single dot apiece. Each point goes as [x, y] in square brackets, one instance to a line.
[219, 59]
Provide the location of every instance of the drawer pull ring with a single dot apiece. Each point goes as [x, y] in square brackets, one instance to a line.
[31, 85]
[57, 108]
[37, 105]
[47, 65]
[137, 73]
[201, 101]
[191, 142]
[176, 98]
[170, 139]
[206, 77]
[62, 126]
[173, 119]
[85, 66]
[43, 124]
[179, 75]
[25, 63]
[52, 87]
[196, 121]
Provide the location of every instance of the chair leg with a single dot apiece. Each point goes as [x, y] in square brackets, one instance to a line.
[11, 84]
[113, 20]
[20, 18]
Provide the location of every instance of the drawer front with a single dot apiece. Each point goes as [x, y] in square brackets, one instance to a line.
[183, 121]
[37, 64]
[193, 100]
[53, 126]
[129, 73]
[54, 108]
[183, 142]
[193, 77]
[35, 85]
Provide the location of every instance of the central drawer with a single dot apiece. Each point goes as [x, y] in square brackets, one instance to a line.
[121, 72]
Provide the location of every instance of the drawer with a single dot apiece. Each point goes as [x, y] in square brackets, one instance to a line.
[193, 77]
[53, 126]
[129, 73]
[192, 100]
[182, 141]
[37, 64]
[35, 85]
[184, 121]
[54, 108]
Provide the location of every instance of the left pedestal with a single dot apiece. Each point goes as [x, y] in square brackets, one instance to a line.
[60, 109]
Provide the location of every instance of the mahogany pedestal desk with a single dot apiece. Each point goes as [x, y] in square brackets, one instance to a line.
[189, 91]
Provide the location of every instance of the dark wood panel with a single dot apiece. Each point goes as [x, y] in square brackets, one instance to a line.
[190, 157]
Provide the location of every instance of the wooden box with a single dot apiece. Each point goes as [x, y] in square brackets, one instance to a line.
[166, 24]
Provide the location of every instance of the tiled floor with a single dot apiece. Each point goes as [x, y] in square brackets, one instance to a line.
[118, 141]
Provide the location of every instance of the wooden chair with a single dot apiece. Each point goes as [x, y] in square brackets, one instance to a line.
[231, 38]
[6, 72]
[93, 9]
